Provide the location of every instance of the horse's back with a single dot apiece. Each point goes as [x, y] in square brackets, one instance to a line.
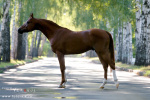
[71, 42]
[101, 34]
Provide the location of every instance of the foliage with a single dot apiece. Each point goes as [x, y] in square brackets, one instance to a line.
[78, 14]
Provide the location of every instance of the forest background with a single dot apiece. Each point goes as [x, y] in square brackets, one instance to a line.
[127, 20]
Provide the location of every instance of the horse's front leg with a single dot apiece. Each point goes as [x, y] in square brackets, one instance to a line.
[62, 68]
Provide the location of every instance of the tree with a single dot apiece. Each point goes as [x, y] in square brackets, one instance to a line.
[38, 44]
[138, 31]
[21, 47]
[5, 33]
[32, 44]
[13, 33]
[43, 40]
[124, 48]
[119, 44]
[141, 58]
[148, 34]
[129, 48]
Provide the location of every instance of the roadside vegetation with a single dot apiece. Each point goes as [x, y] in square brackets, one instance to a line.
[146, 69]
[17, 62]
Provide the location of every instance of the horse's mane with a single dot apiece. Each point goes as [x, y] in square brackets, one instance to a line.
[50, 22]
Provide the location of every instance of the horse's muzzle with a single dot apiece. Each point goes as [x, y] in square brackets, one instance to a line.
[20, 31]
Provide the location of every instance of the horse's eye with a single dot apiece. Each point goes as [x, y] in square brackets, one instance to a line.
[28, 22]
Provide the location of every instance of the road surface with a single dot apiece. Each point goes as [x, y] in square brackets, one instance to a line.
[39, 81]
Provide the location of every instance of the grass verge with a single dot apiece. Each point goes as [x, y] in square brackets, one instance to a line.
[146, 69]
[17, 62]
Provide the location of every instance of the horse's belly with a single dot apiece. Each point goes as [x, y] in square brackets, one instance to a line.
[73, 44]
[76, 49]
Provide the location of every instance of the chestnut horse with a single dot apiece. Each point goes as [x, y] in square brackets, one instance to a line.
[64, 41]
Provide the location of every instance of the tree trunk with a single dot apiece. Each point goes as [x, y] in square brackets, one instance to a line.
[127, 42]
[5, 33]
[138, 31]
[21, 48]
[129, 38]
[13, 34]
[42, 45]
[34, 47]
[38, 43]
[19, 44]
[142, 47]
[24, 38]
[32, 44]
[1, 40]
[27, 49]
[15, 43]
[119, 45]
[124, 49]
[148, 34]
[112, 33]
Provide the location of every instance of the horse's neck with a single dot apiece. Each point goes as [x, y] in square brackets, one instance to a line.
[48, 28]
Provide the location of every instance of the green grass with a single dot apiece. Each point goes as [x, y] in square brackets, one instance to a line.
[119, 64]
[11, 63]
[146, 69]
[147, 73]
[16, 62]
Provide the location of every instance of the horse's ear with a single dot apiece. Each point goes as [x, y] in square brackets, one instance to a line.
[31, 15]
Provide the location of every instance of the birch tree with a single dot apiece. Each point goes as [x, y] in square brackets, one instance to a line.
[13, 33]
[142, 48]
[5, 33]
[32, 44]
[148, 33]
[43, 40]
[129, 44]
[27, 49]
[138, 31]
[15, 43]
[117, 48]
[124, 48]
[119, 44]
[38, 43]
[21, 38]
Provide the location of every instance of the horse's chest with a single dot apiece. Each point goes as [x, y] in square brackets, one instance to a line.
[57, 46]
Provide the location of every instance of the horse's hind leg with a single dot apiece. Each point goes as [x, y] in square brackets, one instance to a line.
[105, 66]
[105, 59]
[112, 65]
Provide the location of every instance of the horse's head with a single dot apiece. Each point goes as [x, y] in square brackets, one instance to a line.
[28, 26]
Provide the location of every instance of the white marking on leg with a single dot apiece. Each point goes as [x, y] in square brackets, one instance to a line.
[114, 75]
[115, 78]
[103, 84]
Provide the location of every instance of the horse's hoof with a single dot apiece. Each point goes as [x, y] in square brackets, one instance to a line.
[101, 87]
[61, 86]
[117, 85]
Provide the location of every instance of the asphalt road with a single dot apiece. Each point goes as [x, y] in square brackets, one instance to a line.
[40, 81]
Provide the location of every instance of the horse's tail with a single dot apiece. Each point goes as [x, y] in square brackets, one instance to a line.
[111, 47]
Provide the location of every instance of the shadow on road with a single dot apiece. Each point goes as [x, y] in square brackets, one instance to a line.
[39, 80]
